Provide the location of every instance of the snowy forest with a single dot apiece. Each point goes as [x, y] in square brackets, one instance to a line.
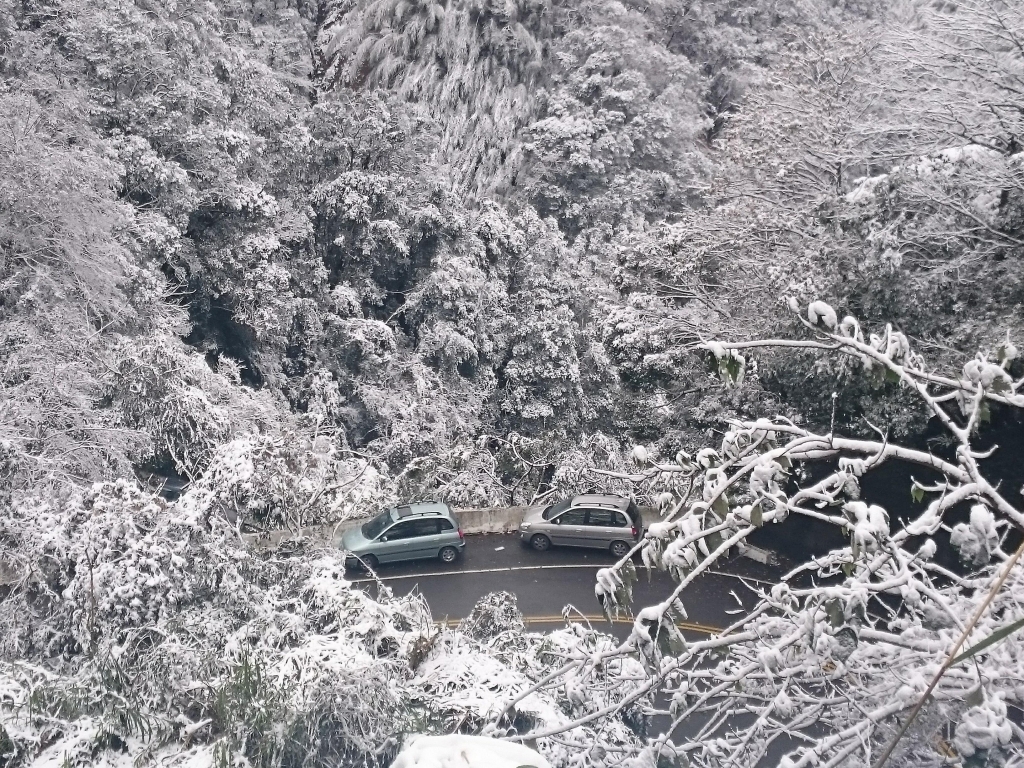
[268, 265]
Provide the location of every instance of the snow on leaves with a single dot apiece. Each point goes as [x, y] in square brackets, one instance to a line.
[160, 629]
[821, 628]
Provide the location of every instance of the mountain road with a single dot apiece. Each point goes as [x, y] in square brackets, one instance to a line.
[547, 583]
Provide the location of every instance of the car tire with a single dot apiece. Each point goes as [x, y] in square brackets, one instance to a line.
[369, 563]
[540, 542]
[448, 554]
[619, 549]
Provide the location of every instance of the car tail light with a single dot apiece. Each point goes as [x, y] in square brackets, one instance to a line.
[633, 529]
[461, 536]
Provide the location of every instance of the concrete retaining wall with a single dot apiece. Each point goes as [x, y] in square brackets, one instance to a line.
[492, 520]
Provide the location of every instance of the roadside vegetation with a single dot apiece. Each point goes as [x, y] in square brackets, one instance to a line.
[310, 258]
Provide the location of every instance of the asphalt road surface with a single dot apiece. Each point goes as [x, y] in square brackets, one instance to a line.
[546, 582]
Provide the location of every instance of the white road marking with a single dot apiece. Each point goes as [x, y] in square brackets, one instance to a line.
[577, 618]
[515, 568]
[473, 570]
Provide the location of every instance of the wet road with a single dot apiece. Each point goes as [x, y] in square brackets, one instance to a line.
[545, 583]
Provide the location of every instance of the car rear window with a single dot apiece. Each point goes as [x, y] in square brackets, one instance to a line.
[634, 514]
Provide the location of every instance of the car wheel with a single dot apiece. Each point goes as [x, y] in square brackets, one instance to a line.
[540, 542]
[448, 554]
[619, 549]
[369, 562]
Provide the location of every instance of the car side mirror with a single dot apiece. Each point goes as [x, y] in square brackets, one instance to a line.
[557, 521]
[383, 539]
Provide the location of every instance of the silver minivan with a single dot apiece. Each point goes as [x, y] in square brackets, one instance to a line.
[592, 520]
[417, 531]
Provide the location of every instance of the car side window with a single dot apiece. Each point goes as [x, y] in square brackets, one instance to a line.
[620, 521]
[603, 518]
[425, 527]
[573, 517]
[445, 525]
[401, 531]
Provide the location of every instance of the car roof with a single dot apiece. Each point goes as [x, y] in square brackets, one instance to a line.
[420, 509]
[599, 500]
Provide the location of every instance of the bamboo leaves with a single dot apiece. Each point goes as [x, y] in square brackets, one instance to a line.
[989, 641]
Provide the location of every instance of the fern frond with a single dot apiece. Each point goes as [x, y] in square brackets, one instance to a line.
[384, 47]
[378, 14]
[386, 72]
[401, 9]
[434, 16]
[361, 57]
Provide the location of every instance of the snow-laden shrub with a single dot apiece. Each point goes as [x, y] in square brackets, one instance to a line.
[133, 624]
[489, 472]
[338, 688]
[493, 615]
[575, 467]
[105, 561]
[468, 475]
[171, 395]
[288, 480]
[467, 685]
[162, 626]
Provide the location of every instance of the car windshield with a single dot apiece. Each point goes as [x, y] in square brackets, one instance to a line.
[375, 527]
[556, 509]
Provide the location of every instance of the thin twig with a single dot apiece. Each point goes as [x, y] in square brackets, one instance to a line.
[993, 591]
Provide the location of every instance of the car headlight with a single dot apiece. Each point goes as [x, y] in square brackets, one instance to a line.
[524, 526]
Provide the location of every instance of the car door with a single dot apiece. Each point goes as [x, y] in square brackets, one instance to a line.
[568, 528]
[393, 544]
[426, 539]
[605, 526]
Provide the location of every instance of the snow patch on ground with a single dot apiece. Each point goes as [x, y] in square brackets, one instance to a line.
[466, 752]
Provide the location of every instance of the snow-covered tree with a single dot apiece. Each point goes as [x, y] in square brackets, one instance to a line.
[870, 642]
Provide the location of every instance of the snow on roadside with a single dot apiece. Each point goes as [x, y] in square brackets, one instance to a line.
[460, 751]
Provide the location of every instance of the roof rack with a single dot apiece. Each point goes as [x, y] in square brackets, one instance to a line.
[407, 509]
[601, 501]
